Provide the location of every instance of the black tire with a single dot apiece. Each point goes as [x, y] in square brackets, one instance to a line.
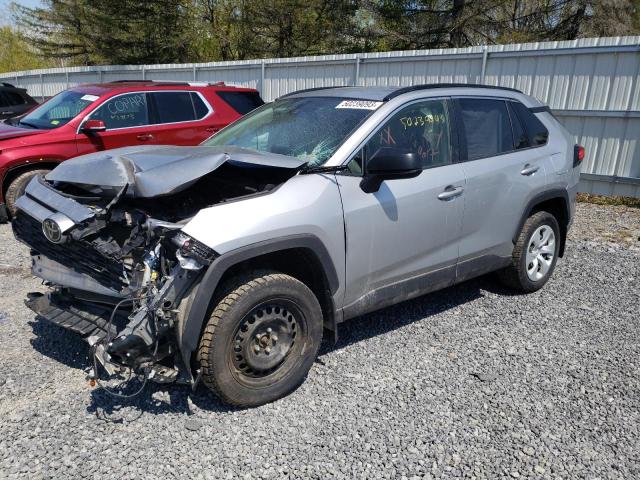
[515, 276]
[271, 358]
[17, 187]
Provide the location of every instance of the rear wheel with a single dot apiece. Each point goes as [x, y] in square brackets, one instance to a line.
[261, 339]
[534, 254]
[16, 188]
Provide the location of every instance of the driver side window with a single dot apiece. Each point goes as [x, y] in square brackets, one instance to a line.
[421, 128]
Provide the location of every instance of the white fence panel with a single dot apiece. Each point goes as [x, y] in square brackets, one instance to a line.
[592, 85]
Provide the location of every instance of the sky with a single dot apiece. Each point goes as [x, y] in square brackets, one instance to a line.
[5, 18]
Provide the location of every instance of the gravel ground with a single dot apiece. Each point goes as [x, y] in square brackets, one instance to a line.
[471, 381]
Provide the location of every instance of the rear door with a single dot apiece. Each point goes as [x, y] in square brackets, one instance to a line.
[403, 240]
[181, 117]
[503, 170]
[126, 117]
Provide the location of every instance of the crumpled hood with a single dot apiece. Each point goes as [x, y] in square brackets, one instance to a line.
[11, 131]
[156, 170]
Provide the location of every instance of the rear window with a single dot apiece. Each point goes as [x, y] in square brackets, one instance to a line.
[536, 131]
[15, 98]
[242, 102]
[486, 127]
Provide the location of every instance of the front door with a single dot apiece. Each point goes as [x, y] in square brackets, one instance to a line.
[127, 120]
[402, 241]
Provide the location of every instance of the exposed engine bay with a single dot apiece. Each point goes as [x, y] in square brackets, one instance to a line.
[114, 254]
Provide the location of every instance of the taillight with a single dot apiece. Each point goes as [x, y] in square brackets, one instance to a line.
[578, 155]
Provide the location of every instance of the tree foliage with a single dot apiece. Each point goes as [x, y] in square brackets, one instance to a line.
[166, 31]
[16, 54]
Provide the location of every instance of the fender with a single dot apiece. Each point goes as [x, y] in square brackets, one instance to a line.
[542, 197]
[189, 334]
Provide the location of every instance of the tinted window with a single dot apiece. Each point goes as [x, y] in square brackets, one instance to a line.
[15, 98]
[486, 127]
[173, 107]
[520, 138]
[128, 110]
[536, 131]
[421, 128]
[201, 109]
[242, 102]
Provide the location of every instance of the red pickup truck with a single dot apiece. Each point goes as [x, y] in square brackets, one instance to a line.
[88, 118]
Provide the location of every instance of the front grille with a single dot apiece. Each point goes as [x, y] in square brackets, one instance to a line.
[78, 255]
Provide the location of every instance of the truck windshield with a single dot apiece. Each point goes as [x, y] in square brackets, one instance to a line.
[58, 111]
[308, 128]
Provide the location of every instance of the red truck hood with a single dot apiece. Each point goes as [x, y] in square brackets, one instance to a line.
[10, 131]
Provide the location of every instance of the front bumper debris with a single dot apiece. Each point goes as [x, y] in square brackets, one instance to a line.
[88, 321]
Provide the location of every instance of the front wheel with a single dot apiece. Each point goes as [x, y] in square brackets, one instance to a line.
[261, 339]
[534, 254]
[17, 187]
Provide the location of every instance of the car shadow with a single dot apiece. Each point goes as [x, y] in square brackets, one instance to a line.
[69, 349]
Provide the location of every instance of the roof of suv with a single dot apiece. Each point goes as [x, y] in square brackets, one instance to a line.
[99, 88]
[383, 93]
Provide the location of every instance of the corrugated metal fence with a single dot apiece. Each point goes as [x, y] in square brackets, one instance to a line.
[592, 85]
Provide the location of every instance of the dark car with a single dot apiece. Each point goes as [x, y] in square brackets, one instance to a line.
[14, 101]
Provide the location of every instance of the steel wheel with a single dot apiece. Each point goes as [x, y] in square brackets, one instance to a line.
[540, 252]
[265, 339]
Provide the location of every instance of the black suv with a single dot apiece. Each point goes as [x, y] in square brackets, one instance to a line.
[14, 101]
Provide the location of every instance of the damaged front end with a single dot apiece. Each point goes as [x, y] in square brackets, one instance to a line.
[115, 256]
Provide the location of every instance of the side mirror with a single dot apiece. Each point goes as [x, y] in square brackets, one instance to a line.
[93, 126]
[389, 163]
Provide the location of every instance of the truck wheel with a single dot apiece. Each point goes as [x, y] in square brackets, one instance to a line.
[261, 339]
[17, 187]
[534, 255]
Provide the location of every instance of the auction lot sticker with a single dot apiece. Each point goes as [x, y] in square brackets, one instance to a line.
[359, 104]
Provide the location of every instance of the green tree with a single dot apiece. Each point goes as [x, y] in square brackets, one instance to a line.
[16, 54]
[60, 29]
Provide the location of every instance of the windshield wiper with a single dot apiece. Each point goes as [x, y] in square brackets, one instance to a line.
[321, 169]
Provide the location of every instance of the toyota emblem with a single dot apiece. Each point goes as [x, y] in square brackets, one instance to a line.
[52, 230]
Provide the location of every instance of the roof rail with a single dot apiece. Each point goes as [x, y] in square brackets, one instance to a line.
[310, 90]
[161, 83]
[428, 86]
[7, 84]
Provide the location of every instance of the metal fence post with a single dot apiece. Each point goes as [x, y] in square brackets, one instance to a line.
[143, 73]
[485, 58]
[357, 74]
[41, 88]
[262, 77]
[195, 73]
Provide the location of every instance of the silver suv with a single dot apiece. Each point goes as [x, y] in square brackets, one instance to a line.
[224, 263]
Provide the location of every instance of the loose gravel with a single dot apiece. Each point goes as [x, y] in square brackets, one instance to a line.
[472, 381]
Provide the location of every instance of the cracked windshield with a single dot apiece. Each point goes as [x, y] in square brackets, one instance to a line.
[306, 128]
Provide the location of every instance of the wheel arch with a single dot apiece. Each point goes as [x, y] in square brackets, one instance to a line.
[21, 168]
[556, 202]
[302, 256]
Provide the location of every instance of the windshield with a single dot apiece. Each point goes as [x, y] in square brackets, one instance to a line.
[58, 111]
[308, 128]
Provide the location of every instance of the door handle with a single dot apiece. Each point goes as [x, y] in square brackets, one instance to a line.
[212, 129]
[529, 169]
[143, 137]
[7, 113]
[450, 193]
